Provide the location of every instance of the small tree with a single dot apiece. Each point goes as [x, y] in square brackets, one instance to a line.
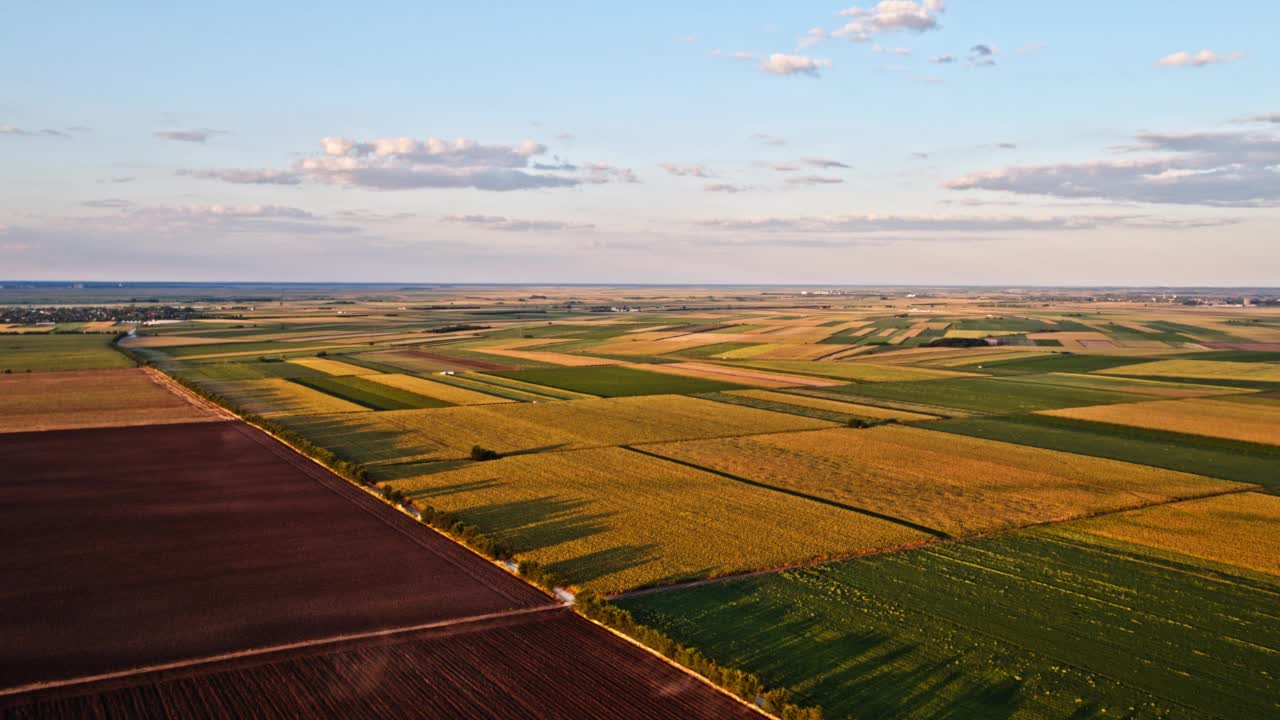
[483, 453]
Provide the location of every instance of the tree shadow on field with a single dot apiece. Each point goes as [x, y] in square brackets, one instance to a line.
[585, 568]
[405, 470]
[537, 523]
[534, 450]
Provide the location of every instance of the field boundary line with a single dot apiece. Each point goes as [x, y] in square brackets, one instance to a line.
[285, 647]
[796, 493]
[191, 398]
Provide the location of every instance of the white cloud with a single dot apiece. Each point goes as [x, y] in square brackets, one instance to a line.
[1200, 59]
[825, 163]
[890, 16]
[725, 188]
[45, 132]
[942, 59]
[812, 180]
[767, 139]
[811, 38]
[743, 56]
[890, 50]
[246, 177]
[408, 163]
[876, 223]
[780, 64]
[178, 220]
[1265, 118]
[1229, 169]
[505, 224]
[198, 135]
[685, 170]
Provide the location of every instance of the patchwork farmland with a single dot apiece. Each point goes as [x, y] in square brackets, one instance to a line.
[380, 502]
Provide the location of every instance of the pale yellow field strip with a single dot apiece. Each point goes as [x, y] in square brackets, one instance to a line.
[1234, 419]
[956, 484]
[855, 371]
[331, 367]
[746, 376]
[866, 411]
[655, 347]
[99, 326]
[164, 341]
[752, 351]
[528, 386]
[1142, 386]
[90, 398]
[276, 397]
[1237, 529]
[439, 391]
[1205, 369]
[801, 352]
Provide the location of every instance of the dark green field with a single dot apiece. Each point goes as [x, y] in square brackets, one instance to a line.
[1032, 624]
[614, 381]
[989, 395]
[243, 370]
[1200, 455]
[1057, 362]
[369, 394]
[37, 352]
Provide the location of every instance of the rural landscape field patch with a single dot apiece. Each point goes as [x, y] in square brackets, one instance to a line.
[948, 483]
[1236, 418]
[90, 398]
[611, 519]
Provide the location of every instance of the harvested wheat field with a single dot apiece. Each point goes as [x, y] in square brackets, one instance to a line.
[1236, 529]
[860, 410]
[440, 391]
[277, 397]
[450, 433]
[611, 519]
[331, 367]
[1240, 417]
[950, 483]
[90, 398]
[1202, 369]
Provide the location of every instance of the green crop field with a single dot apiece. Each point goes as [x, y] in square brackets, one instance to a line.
[1200, 455]
[615, 381]
[375, 396]
[1025, 625]
[1053, 362]
[989, 395]
[37, 352]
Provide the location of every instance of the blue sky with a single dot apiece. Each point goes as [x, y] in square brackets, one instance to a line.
[818, 142]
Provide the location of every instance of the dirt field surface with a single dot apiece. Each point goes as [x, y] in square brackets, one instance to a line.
[149, 545]
[90, 398]
[545, 665]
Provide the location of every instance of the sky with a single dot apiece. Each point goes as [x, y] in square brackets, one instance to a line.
[921, 142]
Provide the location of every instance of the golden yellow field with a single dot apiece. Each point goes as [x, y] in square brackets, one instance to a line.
[164, 341]
[956, 484]
[450, 433]
[275, 397]
[611, 519]
[740, 375]
[1207, 369]
[866, 411]
[1237, 529]
[89, 398]
[331, 367]
[1239, 418]
[440, 391]
[856, 371]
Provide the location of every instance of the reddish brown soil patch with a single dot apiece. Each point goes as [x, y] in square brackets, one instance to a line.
[464, 362]
[127, 547]
[545, 665]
